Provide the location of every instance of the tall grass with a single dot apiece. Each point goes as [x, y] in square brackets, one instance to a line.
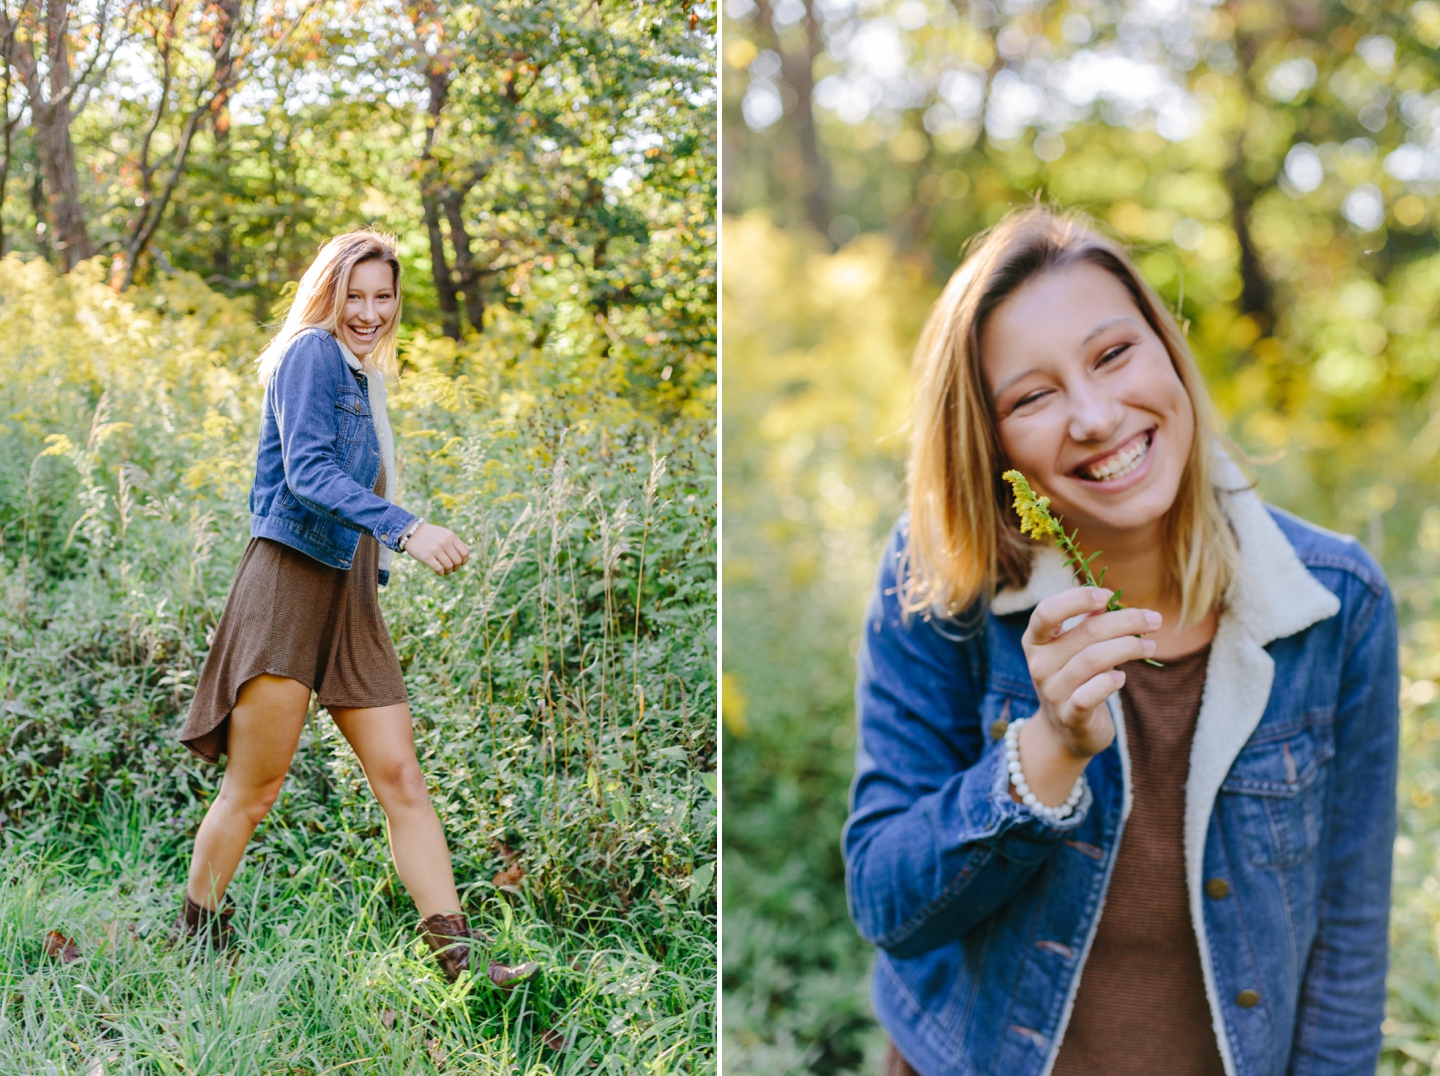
[562, 685]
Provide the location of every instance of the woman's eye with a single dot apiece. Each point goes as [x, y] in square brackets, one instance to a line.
[1114, 353]
[1028, 398]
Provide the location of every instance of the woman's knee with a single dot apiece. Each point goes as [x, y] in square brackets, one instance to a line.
[251, 801]
[400, 783]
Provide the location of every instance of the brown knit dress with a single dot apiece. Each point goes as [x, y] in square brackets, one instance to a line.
[1141, 1006]
[289, 615]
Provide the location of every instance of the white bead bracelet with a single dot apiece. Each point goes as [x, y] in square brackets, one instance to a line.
[409, 533]
[1017, 778]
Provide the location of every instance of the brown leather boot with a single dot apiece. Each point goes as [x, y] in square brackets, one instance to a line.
[448, 936]
[507, 978]
[195, 919]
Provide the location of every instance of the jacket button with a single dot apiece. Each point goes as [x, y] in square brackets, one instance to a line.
[1219, 889]
[997, 730]
[1247, 999]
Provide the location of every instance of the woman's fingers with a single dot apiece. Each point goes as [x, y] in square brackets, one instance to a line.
[1050, 658]
[438, 548]
[1094, 661]
[1047, 622]
[1088, 697]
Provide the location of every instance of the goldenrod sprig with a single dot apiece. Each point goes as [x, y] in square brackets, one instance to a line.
[1037, 521]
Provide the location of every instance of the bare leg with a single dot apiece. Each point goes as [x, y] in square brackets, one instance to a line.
[264, 729]
[382, 739]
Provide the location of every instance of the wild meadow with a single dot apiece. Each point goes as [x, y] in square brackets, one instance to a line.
[562, 683]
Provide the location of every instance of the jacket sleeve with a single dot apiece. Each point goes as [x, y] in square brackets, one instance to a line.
[934, 843]
[1342, 997]
[303, 393]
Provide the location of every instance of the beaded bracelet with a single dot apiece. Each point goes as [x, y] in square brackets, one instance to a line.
[1017, 778]
[409, 533]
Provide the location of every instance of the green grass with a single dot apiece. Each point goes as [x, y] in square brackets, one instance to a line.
[327, 972]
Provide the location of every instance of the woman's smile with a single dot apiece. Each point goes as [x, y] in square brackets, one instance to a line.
[1111, 467]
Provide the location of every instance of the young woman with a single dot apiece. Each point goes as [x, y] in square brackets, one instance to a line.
[303, 614]
[1073, 861]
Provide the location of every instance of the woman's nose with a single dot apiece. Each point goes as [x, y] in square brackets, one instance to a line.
[1094, 416]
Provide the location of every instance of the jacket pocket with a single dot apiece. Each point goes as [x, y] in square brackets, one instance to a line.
[353, 420]
[1277, 787]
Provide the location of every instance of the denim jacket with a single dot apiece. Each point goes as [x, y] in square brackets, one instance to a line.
[984, 912]
[319, 458]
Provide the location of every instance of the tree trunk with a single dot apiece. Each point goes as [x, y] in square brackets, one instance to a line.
[1257, 296]
[439, 267]
[57, 151]
[224, 72]
[811, 179]
[467, 277]
[59, 197]
[432, 192]
[7, 47]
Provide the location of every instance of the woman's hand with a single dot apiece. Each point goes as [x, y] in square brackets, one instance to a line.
[1074, 673]
[438, 547]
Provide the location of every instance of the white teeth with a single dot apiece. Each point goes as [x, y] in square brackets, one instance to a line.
[1120, 464]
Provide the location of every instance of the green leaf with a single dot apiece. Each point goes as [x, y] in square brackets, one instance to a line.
[700, 882]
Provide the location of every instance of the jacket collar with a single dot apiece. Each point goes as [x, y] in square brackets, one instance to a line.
[1274, 596]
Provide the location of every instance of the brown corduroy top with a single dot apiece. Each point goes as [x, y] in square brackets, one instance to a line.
[1141, 1005]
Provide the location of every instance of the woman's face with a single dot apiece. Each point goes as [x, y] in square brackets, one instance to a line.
[1089, 405]
[369, 305]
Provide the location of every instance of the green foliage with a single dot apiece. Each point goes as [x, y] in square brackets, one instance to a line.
[816, 354]
[563, 686]
[815, 383]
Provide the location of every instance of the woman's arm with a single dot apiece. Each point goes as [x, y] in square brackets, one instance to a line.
[1342, 997]
[935, 842]
[303, 392]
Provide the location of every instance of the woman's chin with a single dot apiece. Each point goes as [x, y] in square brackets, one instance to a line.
[1136, 509]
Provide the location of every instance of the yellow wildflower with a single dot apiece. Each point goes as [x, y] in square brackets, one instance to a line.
[1033, 510]
[1038, 523]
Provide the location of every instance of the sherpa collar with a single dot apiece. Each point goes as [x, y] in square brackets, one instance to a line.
[1275, 596]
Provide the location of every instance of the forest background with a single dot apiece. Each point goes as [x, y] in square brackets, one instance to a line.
[167, 170]
[1275, 168]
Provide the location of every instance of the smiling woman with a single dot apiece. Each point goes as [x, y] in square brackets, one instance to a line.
[1073, 862]
[303, 615]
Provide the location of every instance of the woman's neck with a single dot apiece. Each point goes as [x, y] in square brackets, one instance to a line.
[1134, 563]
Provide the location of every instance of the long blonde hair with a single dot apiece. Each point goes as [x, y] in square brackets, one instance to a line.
[320, 299]
[964, 540]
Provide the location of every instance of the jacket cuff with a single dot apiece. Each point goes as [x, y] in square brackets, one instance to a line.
[986, 805]
[393, 524]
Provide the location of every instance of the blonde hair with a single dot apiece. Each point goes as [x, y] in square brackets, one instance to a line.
[964, 540]
[320, 299]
